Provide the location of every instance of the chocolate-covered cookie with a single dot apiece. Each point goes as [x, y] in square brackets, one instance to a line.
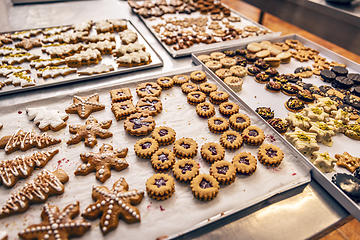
[253, 70]
[356, 91]
[260, 63]
[342, 82]
[355, 77]
[352, 101]
[272, 72]
[327, 75]
[339, 71]
[349, 184]
[292, 78]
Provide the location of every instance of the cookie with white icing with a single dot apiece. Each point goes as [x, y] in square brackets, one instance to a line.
[134, 59]
[19, 58]
[62, 50]
[42, 63]
[324, 162]
[8, 69]
[84, 106]
[10, 50]
[130, 48]
[103, 68]
[128, 36]
[47, 119]
[20, 78]
[87, 57]
[303, 141]
[53, 71]
[99, 37]
[105, 47]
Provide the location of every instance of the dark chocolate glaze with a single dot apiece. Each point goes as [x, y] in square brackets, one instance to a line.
[349, 184]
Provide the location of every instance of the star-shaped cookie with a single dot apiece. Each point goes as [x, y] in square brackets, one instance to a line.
[348, 161]
[89, 132]
[84, 106]
[102, 162]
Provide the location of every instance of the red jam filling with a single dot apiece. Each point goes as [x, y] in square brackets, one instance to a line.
[253, 133]
[163, 132]
[151, 105]
[240, 120]
[138, 122]
[184, 145]
[160, 182]
[220, 94]
[231, 138]
[213, 150]
[196, 95]
[228, 107]
[271, 153]
[148, 89]
[218, 122]
[244, 160]
[205, 184]
[187, 167]
[205, 108]
[222, 170]
[145, 145]
[163, 157]
[124, 107]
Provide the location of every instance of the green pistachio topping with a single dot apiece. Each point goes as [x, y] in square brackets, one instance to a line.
[316, 110]
[303, 137]
[323, 126]
[325, 156]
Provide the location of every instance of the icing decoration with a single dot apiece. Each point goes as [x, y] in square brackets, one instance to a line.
[84, 106]
[28, 44]
[348, 161]
[128, 36]
[114, 203]
[324, 162]
[21, 167]
[38, 190]
[47, 119]
[324, 132]
[316, 114]
[298, 120]
[102, 162]
[62, 50]
[21, 35]
[71, 37]
[9, 50]
[132, 47]
[137, 58]
[103, 68]
[19, 58]
[105, 47]
[341, 115]
[86, 57]
[100, 37]
[20, 78]
[57, 225]
[104, 26]
[8, 69]
[326, 103]
[89, 132]
[55, 30]
[41, 63]
[83, 26]
[303, 141]
[5, 38]
[119, 25]
[52, 71]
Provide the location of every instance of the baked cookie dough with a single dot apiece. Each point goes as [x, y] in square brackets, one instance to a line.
[218, 124]
[205, 187]
[185, 170]
[180, 79]
[207, 88]
[270, 155]
[162, 159]
[165, 82]
[239, 121]
[185, 148]
[218, 97]
[228, 108]
[223, 171]
[146, 147]
[164, 135]
[231, 140]
[212, 152]
[244, 163]
[205, 110]
[196, 97]
[198, 76]
[139, 124]
[253, 135]
[189, 87]
[160, 186]
[148, 89]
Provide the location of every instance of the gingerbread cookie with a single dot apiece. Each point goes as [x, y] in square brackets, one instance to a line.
[139, 124]
[120, 95]
[19, 58]
[244, 163]
[20, 78]
[219, 97]
[103, 68]
[165, 82]
[253, 135]
[162, 160]
[151, 105]
[205, 187]
[53, 71]
[28, 44]
[348, 161]
[47, 119]
[148, 89]
[125, 49]
[212, 152]
[123, 109]
[205, 110]
[160, 186]
[42, 63]
[89, 132]
[185, 169]
[180, 79]
[185, 148]
[134, 59]
[86, 57]
[164, 135]
[223, 171]
[270, 155]
[84, 106]
[112, 204]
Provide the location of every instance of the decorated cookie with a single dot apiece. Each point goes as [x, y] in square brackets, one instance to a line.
[125, 49]
[265, 112]
[205, 110]
[134, 59]
[270, 155]
[19, 58]
[180, 79]
[57, 225]
[189, 87]
[349, 184]
[42, 63]
[212, 152]
[353, 131]
[164, 135]
[8, 69]
[44, 185]
[89, 132]
[196, 97]
[160, 186]
[47, 119]
[244, 163]
[146, 147]
[128, 36]
[279, 124]
[10, 50]
[103, 68]
[123, 109]
[298, 120]
[105, 47]
[139, 124]
[83, 58]
[62, 50]
[347, 161]
[303, 141]
[316, 114]
[228, 108]
[223, 171]
[102, 162]
[323, 162]
[185, 148]
[148, 89]
[165, 82]
[20, 78]
[205, 187]
[198, 77]
[294, 105]
[218, 97]
[231, 140]
[162, 160]
[324, 132]
[120, 95]
[113, 204]
[185, 169]
[151, 105]
[218, 124]
[99, 37]
[84, 106]
[28, 44]
[253, 135]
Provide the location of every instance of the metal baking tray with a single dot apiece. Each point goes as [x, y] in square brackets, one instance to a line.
[74, 77]
[158, 218]
[202, 46]
[255, 95]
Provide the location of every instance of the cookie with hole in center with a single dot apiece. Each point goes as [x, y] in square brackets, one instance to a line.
[239, 121]
[223, 171]
[180, 79]
[165, 82]
[189, 87]
[205, 110]
[245, 163]
[139, 124]
[231, 140]
[218, 124]
[164, 135]
[185, 169]
[146, 147]
[212, 152]
[270, 155]
[207, 88]
[218, 97]
[160, 186]
[185, 148]
[162, 160]
[198, 76]
[228, 108]
[205, 187]
[196, 97]
[253, 135]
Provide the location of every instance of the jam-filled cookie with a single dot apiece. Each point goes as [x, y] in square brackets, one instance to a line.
[165, 82]
[180, 79]
[218, 124]
[146, 147]
[231, 140]
[228, 108]
[160, 186]
[122, 110]
[162, 159]
[223, 171]
[245, 163]
[120, 95]
[205, 187]
[189, 87]
[185, 148]
[218, 97]
[205, 110]
[239, 121]
[212, 152]
[164, 135]
[265, 112]
[270, 155]
[294, 105]
[139, 124]
[151, 105]
[253, 135]
[196, 97]
[198, 76]
[185, 170]
[148, 89]
[208, 88]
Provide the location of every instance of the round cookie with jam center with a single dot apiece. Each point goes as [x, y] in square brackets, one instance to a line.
[218, 124]
[165, 82]
[164, 135]
[294, 105]
[223, 171]
[185, 148]
[253, 135]
[148, 89]
[205, 110]
[205, 187]
[185, 170]
[196, 97]
[245, 163]
[160, 186]
[162, 159]
[146, 147]
[139, 124]
[212, 152]
[270, 155]
[218, 97]
[228, 108]
[239, 121]
[262, 78]
[189, 87]
[198, 76]
[231, 140]
[180, 79]
[207, 88]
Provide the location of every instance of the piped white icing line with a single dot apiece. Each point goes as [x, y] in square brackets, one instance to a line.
[44, 117]
[104, 46]
[52, 71]
[55, 30]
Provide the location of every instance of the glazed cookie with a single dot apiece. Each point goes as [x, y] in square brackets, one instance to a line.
[289, 89]
[234, 83]
[164, 135]
[185, 170]
[47, 119]
[207, 88]
[231, 140]
[213, 65]
[205, 110]
[223, 171]
[185, 148]
[196, 97]
[244, 163]
[218, 97]
[151, 105]
[205, 187]
[228, 108]
[165, 82]
[162, 160]
[353, 131]
[253, 70]
[198, 77]
[273, 86]
[294, 105]
[212, 152]
[265, 112]
[122, 110]
[218, 124]
[148, 89]
[146, 147]
[139, 124]
[253, 135]
[303, 141]
[306, 96]
[270, 155]
[262, 78]
[238, 71]
[189, 87]
[228, 62]
[323, 162]
[160, 186]
[239, 121]
[84, 106]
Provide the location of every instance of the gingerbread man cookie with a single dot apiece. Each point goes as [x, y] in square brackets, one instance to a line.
[102, 162]
[84, 106]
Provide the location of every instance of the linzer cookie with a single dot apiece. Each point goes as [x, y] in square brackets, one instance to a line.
[84, 106]
[239, 121]
[89, 132]
[244, 163]
[189, 87]
[218, 97]
[44, 185]
[123, 109]
[164, 135]
[180, 79]
[121, 94]
[205, 187]
[148, 89]
[113, 204]
[205, 110]
[231, 140]
[185, 169]
[185, 148]
[228, 108]
[146, 147]
[151, 105]
[160, 186]
[165, 82]
[139, 124]
[162, 160]
[253, 135]
[218, 124]
[102, 162]
[207, 88]
[223, 171]
[196, 97]
[212, 152]
[270, 155]
[25, 140]
[198, 77]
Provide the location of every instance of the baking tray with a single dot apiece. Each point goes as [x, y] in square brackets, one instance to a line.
[255, 95]
[159, 218]
[202, 46]
[71, 78]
